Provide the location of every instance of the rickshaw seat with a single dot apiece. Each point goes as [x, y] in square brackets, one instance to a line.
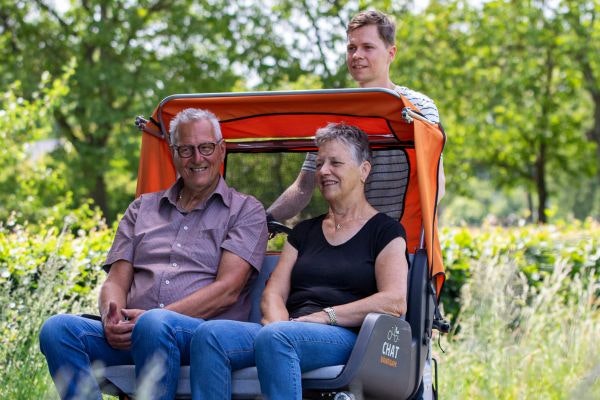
[386, 362]
[389, 355]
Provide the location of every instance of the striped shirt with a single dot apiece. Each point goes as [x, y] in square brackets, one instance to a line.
[386, 184]
[424, 104]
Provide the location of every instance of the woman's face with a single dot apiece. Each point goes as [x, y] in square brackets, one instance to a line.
[338, 173]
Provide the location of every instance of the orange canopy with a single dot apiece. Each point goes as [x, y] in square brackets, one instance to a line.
[279, 121]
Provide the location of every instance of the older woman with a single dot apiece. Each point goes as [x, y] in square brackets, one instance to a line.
[333, 271]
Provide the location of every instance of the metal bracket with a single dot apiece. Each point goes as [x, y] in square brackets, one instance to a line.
[409, 115]
[143, 125]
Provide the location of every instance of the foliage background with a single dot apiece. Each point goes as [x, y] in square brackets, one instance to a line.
[520, 102]
[529, 323]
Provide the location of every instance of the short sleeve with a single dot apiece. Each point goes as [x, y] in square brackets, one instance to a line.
[425, 104]
[248, 236]
[387, 230]
[123, 244]
[302, 231]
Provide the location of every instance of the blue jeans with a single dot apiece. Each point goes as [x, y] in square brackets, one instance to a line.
[73, 345]
[281, 352]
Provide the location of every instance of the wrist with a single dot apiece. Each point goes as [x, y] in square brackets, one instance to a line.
[330, 315]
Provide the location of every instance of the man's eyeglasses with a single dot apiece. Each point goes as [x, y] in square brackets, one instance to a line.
[206, 149]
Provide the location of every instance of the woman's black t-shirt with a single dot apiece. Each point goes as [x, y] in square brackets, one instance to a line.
[325, 275]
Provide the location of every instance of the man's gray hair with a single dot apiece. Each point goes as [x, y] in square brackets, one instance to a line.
[354, 137]
[191, 115]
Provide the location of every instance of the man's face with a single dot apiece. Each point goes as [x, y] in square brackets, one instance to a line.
[199, 172]
[368, 58]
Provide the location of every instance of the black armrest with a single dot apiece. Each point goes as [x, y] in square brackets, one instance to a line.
[275, 227]
[91, 316]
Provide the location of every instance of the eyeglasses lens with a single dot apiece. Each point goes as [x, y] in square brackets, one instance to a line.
[206, 149]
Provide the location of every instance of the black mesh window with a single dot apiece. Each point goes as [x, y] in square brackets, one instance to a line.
[267, 175]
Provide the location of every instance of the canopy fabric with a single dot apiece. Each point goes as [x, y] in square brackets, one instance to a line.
[279, 121]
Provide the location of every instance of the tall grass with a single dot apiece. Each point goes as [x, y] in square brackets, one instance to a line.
[41, 274]
[529, 324]
[518, 341]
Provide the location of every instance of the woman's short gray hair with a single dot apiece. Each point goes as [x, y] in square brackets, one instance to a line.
[354, 137]
[191, 115]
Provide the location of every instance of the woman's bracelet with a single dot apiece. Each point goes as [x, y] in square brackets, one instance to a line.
[331, 314]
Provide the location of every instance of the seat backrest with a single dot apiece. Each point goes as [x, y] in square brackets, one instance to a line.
[268, 265]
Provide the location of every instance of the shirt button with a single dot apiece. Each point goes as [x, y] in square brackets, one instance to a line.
[185, 228]
[161, 305]
[174, 264]
[178, 244]
[167, 282]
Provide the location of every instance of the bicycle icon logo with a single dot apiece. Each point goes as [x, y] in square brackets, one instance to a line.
[393, 334]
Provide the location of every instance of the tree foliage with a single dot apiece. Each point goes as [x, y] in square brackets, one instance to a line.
[511, 96]
[28, 182]
[520, 102]
[128, 55]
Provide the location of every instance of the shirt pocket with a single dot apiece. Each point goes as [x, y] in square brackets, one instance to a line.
[205, 246]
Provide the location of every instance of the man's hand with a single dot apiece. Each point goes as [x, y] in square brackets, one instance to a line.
[131, 314]
[117, 330]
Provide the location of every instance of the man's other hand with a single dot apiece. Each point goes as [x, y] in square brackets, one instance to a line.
[117, 330]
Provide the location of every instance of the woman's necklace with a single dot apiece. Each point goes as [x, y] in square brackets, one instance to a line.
[338, 226]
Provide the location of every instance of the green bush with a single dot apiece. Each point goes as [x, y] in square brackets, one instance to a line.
[529, 321]
[33, 186]
[534, 249]
[43, 271]
[528, 301]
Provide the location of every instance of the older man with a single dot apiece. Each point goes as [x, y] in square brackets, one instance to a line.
[179, 257]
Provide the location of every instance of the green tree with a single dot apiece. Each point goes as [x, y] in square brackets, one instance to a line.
[582, 20]
[128, 56]
[520, 101]
[509, 94]
[318, 29]
[27, 182]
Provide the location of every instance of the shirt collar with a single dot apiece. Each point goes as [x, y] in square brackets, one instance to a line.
[222, 190]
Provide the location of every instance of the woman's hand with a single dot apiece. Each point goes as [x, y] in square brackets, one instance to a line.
[320, 317]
